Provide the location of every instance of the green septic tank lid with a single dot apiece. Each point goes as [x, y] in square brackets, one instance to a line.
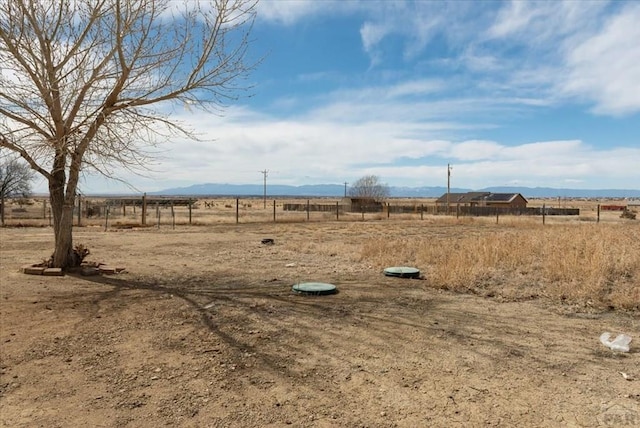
[315, 288]
[402, 272]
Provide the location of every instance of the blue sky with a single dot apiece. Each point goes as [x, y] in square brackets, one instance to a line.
[537, 94]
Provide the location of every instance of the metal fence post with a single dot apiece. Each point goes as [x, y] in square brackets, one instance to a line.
[173, 217]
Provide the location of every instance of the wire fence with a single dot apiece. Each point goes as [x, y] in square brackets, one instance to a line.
[171, 211]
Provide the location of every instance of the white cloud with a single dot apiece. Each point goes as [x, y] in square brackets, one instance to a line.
[415, 87]
[535, 23]
[606, 66]
[481, 62]
[407, 131]
[312, 149]
[372, 34]
[587, 51]
[416, 22]
[475, 150]
[565, 50]
[512, 18]
[288, 12]
[544, 150]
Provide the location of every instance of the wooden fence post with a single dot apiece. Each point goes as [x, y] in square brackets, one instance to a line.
[388, 210]
[158, 214]
[421, 211]
[544, 212]
[274, 210]
[337, 211]
[237, 210]
[106, 217]
[144, 209]
[173, 217]
[307, 209]
[598, 221]
[44, 209]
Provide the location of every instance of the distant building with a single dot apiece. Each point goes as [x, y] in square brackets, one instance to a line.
[510, 200]
[483, 199]
[361, 204]
[464, 199]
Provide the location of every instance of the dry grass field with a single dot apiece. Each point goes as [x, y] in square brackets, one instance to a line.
[203, 330]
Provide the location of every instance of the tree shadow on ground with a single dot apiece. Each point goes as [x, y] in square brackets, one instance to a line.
[326, 323]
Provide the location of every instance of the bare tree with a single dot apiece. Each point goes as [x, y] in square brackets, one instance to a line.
[369, 186]
[15, 180]
[88, 84]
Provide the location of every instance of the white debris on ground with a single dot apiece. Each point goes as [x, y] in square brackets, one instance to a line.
[620, 343]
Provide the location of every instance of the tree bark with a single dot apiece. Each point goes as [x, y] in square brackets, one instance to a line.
[62, 212]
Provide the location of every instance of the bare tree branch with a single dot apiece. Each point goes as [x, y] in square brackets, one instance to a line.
[15, 178]
[85, 84]
[369, 186]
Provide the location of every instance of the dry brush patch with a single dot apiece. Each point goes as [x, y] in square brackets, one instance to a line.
[516, 257]
[204, 330]
[596, 265]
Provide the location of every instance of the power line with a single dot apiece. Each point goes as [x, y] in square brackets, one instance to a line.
[449, 168]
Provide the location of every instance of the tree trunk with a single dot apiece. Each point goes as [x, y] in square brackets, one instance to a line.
[62, 211]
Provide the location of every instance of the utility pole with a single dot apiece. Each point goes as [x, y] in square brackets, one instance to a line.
[449, 168]
[345, 189]
[264, 173]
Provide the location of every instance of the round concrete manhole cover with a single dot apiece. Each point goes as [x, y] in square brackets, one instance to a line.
[402, 272]
[315, 288]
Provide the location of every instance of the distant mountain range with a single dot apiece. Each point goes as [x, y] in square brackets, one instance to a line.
[337, 190]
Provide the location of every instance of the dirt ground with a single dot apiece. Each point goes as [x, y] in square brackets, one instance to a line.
[203, 330]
